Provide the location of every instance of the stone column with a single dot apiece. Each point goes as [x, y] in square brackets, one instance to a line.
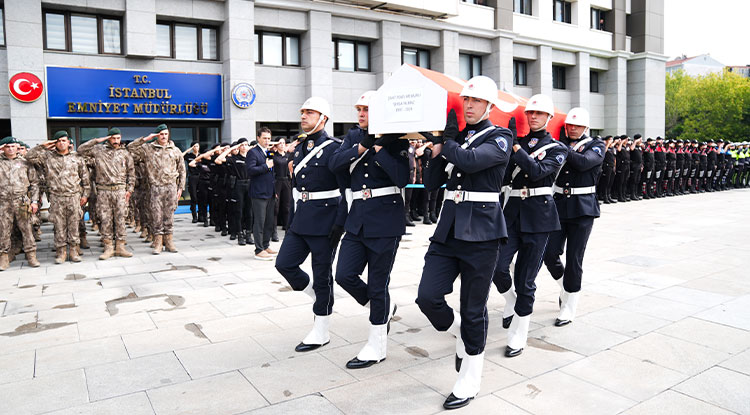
[498, 65]
[616, 96]
[646, 92]
[237, 49]
[140, 28]
[446, 57]
[386, 51]
[540, 72]
[579, 81]
[317, 55]
[24, 45]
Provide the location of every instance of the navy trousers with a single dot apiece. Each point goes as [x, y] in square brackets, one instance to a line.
[378, 255]
[293, 252]
[530, 248]
[572, 238]
[475, 262]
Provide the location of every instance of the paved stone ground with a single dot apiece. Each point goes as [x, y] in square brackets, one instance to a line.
[663, 327]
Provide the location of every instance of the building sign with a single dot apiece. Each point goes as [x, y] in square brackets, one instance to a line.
[243, 95]
[25, 87]
[121, 94]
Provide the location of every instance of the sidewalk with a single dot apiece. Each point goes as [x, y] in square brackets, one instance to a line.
[663, 327]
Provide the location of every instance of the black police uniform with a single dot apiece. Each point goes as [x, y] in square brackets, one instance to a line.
[530, 219]
[647, 176]
[192, 183]
[607, 177]
[375, 222]
[204, 190]
[311, 222]
[576, 207]
[703, 168]
[679, 175]
[660, 169]
[218, 196]
[623, 173]
[283, 183]
[711, 168]
[241, 212]
[467, 238]
[636, 165]
[695, 164]
[671, 156]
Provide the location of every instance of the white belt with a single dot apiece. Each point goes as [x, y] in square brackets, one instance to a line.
[574, 190]
[459, 196]
[365, 194]
[305, 196]
[526, 192]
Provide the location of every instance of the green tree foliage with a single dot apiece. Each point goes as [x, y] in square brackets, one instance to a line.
[707, 107]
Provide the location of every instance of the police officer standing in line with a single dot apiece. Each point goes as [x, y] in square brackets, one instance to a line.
[671, 156]
[648, 169]
[611, 159]
[710, 165]
[530, 214]
[377, 171]
[469, 230]
[695, 161]
[623, 169]
[316, 222]
[660, 167]
[680, 167]
[703, 165]
[635, 191]
[193, 176]
[281, 158]
[203, 163]
[608, 169]
[240, 215]
[577, 208]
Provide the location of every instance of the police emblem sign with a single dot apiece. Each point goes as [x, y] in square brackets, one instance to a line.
[243, 95]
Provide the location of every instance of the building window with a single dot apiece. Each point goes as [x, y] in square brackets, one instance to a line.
[561, 11]
[594, 81]
[519, 73]
[414, 56]
[277, 49]
[595, 132]
[598, 18]
[186, 42]
[558, 77]
[479, 2]
[2, 26]
[350, 55]
[82, 33]
[522, 6]
[469, 65]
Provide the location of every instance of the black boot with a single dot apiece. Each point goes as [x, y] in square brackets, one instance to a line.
[249, 238]
[408, 220]
[195, 217]
[232, 236]
[433, 217]
[426, 219]
[275, 235]
[205, 223]
[241, 239]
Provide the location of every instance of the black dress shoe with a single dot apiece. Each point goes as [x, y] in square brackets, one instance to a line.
[433, 218]
[361, 364]
[560, 323]
[458, 363]
[233, 237]
[275, 237]
[302, 347]
[510, 352]
[507, 321]
[224, 232]
[427, 220]
[205, 224]
[241, 241]
[452, 402]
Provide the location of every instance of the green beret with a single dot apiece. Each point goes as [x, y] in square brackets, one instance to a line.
[114, 131]
[9, 140]
[24, 144]
[60, 134]
[160, 128]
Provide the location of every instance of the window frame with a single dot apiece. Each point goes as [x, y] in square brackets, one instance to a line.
[600, 14]
[518, 64]
[284, 36]
[68, 29]
[418, 50]
[5, 38]
[522, 4]
[471, 63]
[567, 11]
[357, 44]
[198, 38]
[594, 74]
[560, 80]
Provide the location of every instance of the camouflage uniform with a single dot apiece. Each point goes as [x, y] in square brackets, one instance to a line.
[115, 176]
[139, 194]
[19, 187]
[67, 182]
[165, 174]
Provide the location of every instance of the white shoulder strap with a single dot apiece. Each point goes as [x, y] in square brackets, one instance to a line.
[310, 155]
[355, 162]
[466, 144]
[582, 143]
[532, 155]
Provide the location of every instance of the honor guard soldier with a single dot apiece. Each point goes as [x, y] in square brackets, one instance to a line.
[680, 167]
[469, 230]
[635, 190]
[711, 159]
[695, 163]
[530, 215]
[377, 171]
[317, 219]
[115, 181]
[702, 166]
[68, 189]
[575, 200]
[19, 193]
[660, 167]
[671, 167]
[649, 167]
[608, 170]
[193, 174]
[623, 169]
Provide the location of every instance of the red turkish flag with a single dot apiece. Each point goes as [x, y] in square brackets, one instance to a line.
[25, 87]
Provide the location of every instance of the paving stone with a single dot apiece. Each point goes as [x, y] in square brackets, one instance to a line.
[239, 306]
[237, 327]
[33, 336]
[179, 316]
[222, 357]
[440, 375]
[134, 404]
[552, 392]
[73, 312]
[721, 387]
[692, 296]
[625, 322]
[306, 405]
[114, 325]
[628, 376]
[79, 355]
[227, 393]
[38, 303]
[538, 357]
[660, 307]
[388, 394]
[44, 394]
[122, 378]
[715, 336]
[579, 337]
[281, 344]
[163, 287]
[674, 403]
[399, 357]
[163, 340]
[291, 378]
[733, 313]
[17, 367]
[488, 404]
[739, 362]
[672, 353]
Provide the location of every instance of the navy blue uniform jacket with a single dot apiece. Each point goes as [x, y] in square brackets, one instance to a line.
[538, 213]
[261, 176]
[317, 217]
[377, 217]
[581, 169]
[479, 168]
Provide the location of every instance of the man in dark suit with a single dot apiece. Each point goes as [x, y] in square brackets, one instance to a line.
[377, 171]
[262, 190]
[530, 215]
[471, 164]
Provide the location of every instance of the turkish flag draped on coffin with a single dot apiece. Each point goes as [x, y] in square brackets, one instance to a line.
[416, 99]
